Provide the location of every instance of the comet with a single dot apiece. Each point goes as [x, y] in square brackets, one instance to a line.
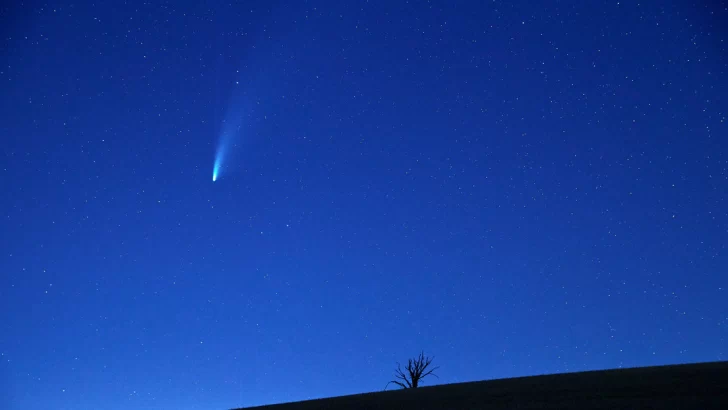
[251, 92]
[229, 140]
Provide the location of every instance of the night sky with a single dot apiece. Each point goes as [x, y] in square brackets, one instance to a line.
[514, 187]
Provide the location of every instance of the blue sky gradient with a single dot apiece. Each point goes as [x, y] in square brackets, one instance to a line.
[515, 188]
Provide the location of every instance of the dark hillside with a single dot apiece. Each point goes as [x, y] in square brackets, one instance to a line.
[691, 386]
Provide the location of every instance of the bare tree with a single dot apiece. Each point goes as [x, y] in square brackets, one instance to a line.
[416, 370]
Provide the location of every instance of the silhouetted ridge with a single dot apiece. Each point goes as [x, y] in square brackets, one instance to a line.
[688, 386]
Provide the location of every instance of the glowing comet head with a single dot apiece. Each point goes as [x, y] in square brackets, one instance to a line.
[215, 170]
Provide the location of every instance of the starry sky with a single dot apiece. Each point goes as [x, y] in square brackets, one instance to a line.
[514, 187]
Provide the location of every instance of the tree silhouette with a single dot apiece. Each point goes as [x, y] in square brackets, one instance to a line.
[416, 370]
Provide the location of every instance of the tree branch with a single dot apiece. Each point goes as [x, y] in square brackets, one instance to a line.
[417, 369]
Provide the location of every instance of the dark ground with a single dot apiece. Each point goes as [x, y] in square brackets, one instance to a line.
[691, 386]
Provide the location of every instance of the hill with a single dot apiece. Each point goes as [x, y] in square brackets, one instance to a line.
[688, 386]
